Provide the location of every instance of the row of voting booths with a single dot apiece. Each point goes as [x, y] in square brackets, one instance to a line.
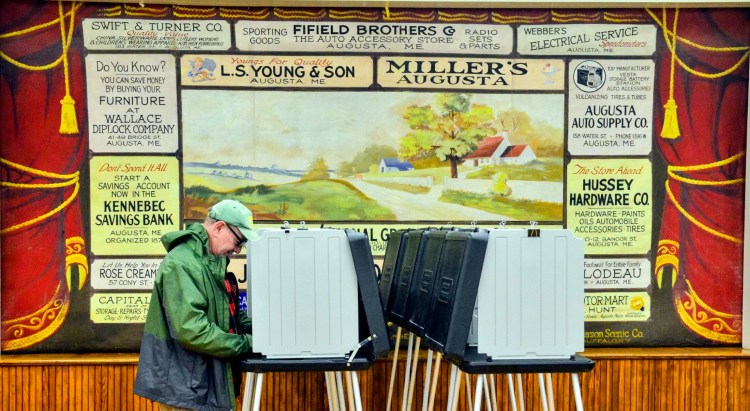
[488, 301]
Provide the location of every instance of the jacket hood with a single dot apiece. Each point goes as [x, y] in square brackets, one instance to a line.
[194, 232]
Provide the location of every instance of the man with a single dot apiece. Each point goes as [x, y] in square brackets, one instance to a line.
[194, 329]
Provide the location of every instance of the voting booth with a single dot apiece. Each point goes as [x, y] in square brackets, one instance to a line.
[303, 294]
[455, 293]
[394, 255]
[313, 293]
[315, 303]
[410, 263]
[530, 299]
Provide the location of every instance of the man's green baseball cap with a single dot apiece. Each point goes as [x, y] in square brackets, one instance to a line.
[235, 213]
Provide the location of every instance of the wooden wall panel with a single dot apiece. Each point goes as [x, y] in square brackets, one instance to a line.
[623, 379]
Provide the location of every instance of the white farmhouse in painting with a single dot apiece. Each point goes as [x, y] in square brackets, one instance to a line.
[393, 164]
[498, 150]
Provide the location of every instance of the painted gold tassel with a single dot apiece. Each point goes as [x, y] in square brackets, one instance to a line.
[671, 128]
[68, 121]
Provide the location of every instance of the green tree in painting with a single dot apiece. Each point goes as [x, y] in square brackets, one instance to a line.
[450, 130]
[318, 170]
[345, 169]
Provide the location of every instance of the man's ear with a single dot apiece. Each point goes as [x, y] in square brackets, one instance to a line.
[215, 227]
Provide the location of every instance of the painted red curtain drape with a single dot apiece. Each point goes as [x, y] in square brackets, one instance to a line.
[41, 221]
[702, 223]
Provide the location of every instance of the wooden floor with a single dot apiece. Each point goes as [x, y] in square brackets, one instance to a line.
[623, 379]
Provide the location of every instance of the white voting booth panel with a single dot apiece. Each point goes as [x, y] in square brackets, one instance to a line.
[530, 300]
[303, 293]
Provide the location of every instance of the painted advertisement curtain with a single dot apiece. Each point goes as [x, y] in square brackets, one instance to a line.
[65, 170]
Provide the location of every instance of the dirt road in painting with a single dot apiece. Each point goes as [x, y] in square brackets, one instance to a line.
[420, 207]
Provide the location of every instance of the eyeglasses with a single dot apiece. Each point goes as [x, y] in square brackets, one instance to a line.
[240, 242]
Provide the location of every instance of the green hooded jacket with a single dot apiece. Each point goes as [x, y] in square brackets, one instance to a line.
[186, 351]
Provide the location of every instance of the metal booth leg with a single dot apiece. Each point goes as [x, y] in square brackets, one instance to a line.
[478, 394]
[340, 389]
[519, 391]
[427, 375]
[433, 382]
[487, 392]
[394, 366]
[357, 397]
[247, 396]
[550, 391]
[257, 391]
[451, 387]
[542, 391]
[577, 391]
[413, 373]
[350, 390]
[457, 389]
[407, 372]
[331, 390]
[467, 380]
[493, 392]
[511, 392]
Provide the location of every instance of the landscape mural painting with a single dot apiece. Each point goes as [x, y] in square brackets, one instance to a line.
[375, 156]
